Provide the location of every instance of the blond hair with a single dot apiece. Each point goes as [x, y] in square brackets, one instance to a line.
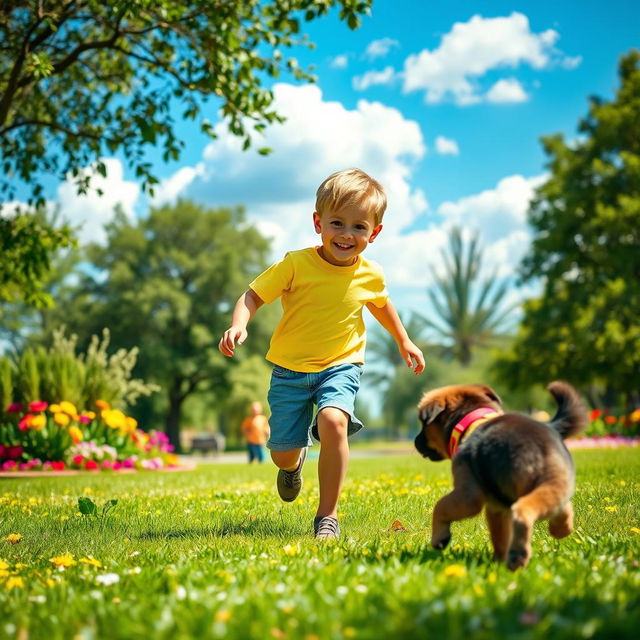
[348, 188]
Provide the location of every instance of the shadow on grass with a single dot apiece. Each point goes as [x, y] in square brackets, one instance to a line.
[255, 529]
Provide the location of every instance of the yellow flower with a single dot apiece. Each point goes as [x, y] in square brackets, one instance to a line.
[223, 615]
[14, 538]
[54, 408]
[65, 560]
[62, 419]
[68, 408]
[290, 550]
[3, 565]
[38, 422]
[90, 414]
[634, 530]
[91, 561]
[611, 509]
[14, 582]
[130, 425]
[114, 418]
[102, 404]
[76, 434]
[455, 571]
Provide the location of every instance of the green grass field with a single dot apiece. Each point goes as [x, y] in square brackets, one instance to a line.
[213, 553]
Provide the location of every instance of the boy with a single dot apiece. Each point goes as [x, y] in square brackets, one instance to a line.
[255, 429]
[317, 349]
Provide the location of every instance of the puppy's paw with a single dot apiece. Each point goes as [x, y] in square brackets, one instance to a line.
[517, 559]
[440, 543]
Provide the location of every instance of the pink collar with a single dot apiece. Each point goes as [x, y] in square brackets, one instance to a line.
[470, 422]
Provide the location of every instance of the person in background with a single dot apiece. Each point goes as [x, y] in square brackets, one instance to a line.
[255, 428]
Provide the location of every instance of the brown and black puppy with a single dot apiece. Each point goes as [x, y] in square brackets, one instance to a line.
[517, 468]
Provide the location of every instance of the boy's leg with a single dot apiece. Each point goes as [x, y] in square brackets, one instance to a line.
[334, 458]
[286, 460]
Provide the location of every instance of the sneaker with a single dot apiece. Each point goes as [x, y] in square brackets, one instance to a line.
[326, 528]
[290, 482]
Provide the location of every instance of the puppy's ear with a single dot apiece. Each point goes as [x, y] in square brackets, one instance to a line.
[490, 393]
[430, 412]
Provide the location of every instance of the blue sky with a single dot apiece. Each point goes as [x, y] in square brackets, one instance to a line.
[445, 103]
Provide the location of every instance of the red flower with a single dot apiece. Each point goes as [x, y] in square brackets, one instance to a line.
[15, 407]
[57, 465]
[38, 406]
[77, 460]
[610, 419]
[595, 414]
[90, 464]
[25, 422]
[14, 452]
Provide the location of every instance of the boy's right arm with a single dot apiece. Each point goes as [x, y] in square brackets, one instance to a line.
[248, 303]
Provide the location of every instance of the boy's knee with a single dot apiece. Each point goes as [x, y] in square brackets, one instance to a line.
[332, 421]
[286, 459]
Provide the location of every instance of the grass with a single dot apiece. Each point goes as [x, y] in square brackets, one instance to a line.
[213, 553]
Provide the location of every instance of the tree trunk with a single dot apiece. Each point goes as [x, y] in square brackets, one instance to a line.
[172, 422]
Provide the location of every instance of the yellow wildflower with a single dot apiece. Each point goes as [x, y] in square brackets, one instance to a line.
[290, 550]
[611, 509]
[91, 561]
[455, 571]
[65, 560]
[3, 565]
[223, 615]
[14, 538]
[54, 408]
[14, 582]
[62, 419]
[634, 530]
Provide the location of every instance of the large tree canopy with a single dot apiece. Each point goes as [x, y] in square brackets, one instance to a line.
[586, 249]
[80, 78]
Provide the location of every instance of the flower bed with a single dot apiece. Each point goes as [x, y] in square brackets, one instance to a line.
[57, 437]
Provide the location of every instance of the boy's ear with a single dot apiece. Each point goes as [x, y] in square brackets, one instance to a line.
[316, 222]
[375, 233]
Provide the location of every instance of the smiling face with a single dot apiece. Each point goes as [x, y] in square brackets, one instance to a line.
[345, 233]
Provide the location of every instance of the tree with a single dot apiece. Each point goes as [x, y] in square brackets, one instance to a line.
[79, 78]
[28, 243]
[465, 316]
[586, 249]
[167, 284]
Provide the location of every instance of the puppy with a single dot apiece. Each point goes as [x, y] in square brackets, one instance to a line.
[517, 468]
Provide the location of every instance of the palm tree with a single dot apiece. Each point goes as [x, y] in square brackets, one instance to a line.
[468, 313]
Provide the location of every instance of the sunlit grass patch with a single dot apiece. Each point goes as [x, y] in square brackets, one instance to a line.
[214, 553]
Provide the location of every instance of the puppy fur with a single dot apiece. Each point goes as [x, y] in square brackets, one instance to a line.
[518, 469]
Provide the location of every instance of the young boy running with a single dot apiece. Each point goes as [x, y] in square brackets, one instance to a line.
[317, 349]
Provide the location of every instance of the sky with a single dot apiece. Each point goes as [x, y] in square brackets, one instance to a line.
[444, 103]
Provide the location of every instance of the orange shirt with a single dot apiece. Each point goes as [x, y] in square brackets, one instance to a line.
[255, 429]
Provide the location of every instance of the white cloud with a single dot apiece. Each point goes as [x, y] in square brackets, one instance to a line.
[507, 90]
[571, 62]
[371, 78]
[92, 211]
[340, 62]
[446, 146]
[169, 189]
[317, 138]
[380, 48]
[473, 48]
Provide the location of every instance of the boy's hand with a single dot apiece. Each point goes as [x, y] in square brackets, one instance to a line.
[410, 354]
[231, 337]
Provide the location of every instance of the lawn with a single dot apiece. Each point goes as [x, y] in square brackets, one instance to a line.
[213, 553]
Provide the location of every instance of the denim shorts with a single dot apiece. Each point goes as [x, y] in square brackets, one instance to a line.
[292, 396]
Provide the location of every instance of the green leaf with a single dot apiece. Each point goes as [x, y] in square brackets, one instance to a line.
[87, 506]
[108, 506]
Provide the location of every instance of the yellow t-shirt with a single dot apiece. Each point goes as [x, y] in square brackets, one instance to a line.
[321, 324]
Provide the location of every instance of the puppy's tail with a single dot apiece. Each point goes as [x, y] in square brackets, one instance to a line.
[571, 417]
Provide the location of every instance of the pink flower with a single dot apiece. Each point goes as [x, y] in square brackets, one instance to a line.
[90, 465]
[23, 466]
[38, 406]
[78, 460]
[107, 464]
[14, 407]
[9, 465]
[14, 452]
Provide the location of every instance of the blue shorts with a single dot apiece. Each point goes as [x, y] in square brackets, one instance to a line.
[293, 394]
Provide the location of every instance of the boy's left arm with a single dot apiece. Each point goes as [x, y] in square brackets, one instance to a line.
[388, 317]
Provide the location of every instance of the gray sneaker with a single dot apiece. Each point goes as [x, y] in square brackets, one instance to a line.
[290, 482]
[326, 528]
